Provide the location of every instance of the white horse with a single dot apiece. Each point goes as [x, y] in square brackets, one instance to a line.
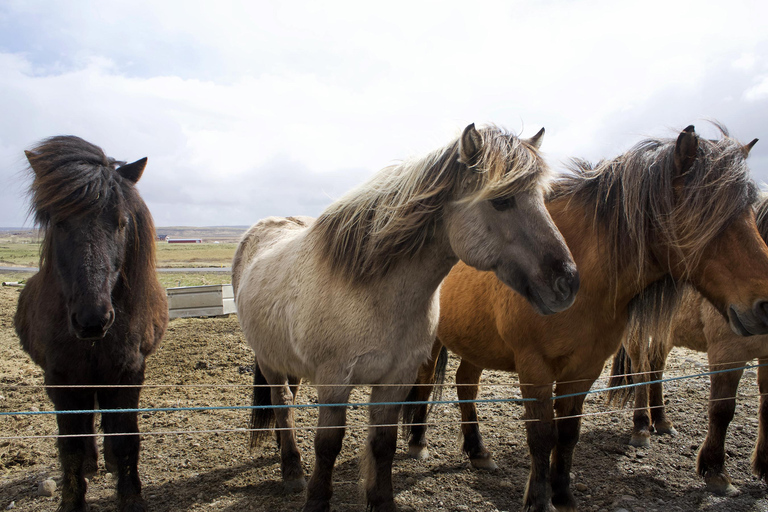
[352, 298]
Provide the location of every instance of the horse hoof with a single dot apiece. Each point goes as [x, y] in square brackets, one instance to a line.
[295, 485]
[418, 452]
[721, 485]
[383, 507]
[90, 468]
[133, 504]
[665, 428]
[485, 463]
[69, 507]
[316, 506]
[641, 440]
[546, 508]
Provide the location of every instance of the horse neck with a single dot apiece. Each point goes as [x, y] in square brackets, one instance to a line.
[615, 284]
[422, 273]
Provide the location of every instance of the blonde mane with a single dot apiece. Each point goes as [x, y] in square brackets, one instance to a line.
[395, 213]
[636, 199]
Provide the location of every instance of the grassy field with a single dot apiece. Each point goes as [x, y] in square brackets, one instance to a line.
[195, 255]
[168, 255]
[167, 279]
[19, 254]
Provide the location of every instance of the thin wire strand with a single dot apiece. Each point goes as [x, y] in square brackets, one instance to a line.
[371, 385]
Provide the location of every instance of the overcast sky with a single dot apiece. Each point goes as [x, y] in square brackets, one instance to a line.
[249, 109]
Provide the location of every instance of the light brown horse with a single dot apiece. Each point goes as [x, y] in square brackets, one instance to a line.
[696, 324]
[675, 207]
[352, 298]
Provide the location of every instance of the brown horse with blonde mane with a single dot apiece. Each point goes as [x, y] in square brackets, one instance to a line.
[94, 311]
[694, 323]
[673, 207]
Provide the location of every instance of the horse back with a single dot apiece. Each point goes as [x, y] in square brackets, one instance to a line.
[260, 236]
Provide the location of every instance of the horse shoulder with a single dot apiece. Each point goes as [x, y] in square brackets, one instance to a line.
[28, 319]
[157, 322]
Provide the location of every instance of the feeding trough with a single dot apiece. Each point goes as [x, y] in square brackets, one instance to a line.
[201, 301]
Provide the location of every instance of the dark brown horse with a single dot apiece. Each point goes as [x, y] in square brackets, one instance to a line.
[675, 207]
[695, 324]
[95, 309]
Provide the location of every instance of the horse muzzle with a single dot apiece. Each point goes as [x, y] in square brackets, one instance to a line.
[91, 324]
[749, 323]
[546, 296]
[562, 295]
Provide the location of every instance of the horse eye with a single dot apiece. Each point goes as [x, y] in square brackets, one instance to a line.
[503, 203]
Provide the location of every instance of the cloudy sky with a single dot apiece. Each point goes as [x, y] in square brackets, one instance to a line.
[249, 109]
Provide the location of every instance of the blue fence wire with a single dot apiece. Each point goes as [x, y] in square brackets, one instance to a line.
[367, 404]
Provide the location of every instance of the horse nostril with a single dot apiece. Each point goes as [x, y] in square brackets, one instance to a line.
[562, 287]
[760, 309]
[110, 319]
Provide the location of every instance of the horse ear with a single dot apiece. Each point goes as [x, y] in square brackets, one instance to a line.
[748, 147]
[470, 144]
[685, 149]
[535, 141]
[133, 172]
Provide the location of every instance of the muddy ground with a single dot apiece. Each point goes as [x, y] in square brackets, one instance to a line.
[192, 471]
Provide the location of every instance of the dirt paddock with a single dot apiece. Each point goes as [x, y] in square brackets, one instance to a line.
[194, 471]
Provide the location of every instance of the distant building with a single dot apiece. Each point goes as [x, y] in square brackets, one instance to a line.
[162, 238]
[184, 240]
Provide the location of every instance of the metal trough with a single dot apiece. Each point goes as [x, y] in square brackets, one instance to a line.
[201, 301]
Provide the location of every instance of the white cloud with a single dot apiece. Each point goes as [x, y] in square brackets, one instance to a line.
[247, 110]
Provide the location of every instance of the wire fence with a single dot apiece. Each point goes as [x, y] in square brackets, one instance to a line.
[430, 403]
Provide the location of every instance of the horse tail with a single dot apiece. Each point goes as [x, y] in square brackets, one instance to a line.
[409, 411]
[621, 375]
[649, 319]
[262, 416]
[440, 367]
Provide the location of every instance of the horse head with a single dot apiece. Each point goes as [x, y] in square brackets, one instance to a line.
[85, 210]
[499, 221]
[726, 260]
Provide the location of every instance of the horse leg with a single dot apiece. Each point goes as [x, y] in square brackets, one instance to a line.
[417, 414]
[542, 436]
[467, 386]
[376, 466]
[661, 425]
[567, 427]
[330, 434]
[283, 392]
[122, 451]
[711, 459]
[641, 420]
[73, 451]
[760, 455]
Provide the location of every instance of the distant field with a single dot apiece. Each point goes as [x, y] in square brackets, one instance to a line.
[195, 255]
[19, 254]
[168, 255]
[167, 279]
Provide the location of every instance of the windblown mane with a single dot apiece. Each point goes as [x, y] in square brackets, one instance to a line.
[73, 179]
[635, 199]
[394, 214]
[761, 212]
